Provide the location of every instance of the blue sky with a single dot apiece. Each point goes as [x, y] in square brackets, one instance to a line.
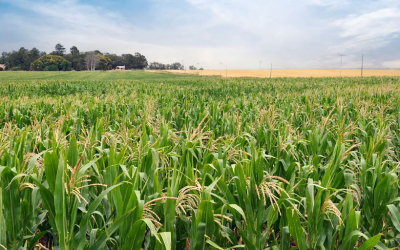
[289, 34]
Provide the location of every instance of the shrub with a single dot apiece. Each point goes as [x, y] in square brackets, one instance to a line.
[48, 60]
[15, 69]
[51, 68]
[66, 65]
[1, 69]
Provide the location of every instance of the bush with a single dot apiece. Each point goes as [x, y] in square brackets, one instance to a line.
[15, 69]
[66, 65]
[46, 61]
[1, 69]
[51, 68]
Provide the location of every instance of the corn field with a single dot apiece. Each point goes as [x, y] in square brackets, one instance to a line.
[195, 164]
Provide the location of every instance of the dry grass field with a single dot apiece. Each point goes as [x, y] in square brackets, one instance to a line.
[287, 72]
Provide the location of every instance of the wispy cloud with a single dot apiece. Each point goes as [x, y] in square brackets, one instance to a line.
[368, 31]
[291, 34]
[327, 2]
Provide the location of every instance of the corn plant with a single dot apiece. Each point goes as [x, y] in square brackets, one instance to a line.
[200, 163]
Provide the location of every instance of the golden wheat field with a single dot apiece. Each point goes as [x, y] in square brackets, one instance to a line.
[286, 72]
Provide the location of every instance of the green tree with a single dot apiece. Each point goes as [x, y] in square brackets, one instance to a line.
[104, 62]
[157, 65]
[66, 65]
[47, 60]
[76, 58]
[115, 60]
[59, 50]
[139, 61]
[51, 68]
[128, 60]
[74, 50]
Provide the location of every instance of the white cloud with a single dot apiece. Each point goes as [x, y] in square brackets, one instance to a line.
[327, 2]
[369, 31]
[391, 64]
[288, 33]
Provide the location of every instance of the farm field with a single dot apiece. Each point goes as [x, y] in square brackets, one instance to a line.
[86, 75]
[146, 162]
[287, 73]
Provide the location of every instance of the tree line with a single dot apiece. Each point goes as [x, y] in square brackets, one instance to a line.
[59, 59]
[172, 66]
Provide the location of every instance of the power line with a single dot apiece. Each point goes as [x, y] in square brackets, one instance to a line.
[362, 64]
[270, 72]
[341, 59]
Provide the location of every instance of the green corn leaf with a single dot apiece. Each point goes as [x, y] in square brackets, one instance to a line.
[79, 239]
[104, 236]
[295, 228]
[50, 166]
[285, 241]
[135, 237]
[72, 152]
[3, 229]
[370, 243]
[198, 242]
[12, 205]
[395, 216]
[60, 207]
[166, 238]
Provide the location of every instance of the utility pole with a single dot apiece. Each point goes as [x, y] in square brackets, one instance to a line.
[362, 64]
[183, 64]
[341, 59]
[259, 70]
[270, 72]
[226, 71]
[197, 68]
[220, 70]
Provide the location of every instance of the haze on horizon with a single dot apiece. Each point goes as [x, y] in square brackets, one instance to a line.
[300, 34]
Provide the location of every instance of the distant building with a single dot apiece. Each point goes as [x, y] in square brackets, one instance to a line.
[120, 68]
[3, 66]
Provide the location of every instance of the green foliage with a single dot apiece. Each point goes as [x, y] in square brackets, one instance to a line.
[1, 69]
[16, 69]
[104, 62]
[66, 66]
[173, 66]
[24, 58]
[200, 163]
[48, 61]
[21, 59]
[131, 75]
[51, 68]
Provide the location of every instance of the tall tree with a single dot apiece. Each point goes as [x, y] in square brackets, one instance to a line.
[76, 58]
[139, 61]
[3, 59]
[115, 60]
[104, 62]
[74, 50]
[128, 60]
[59, 50]
[91, 60]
